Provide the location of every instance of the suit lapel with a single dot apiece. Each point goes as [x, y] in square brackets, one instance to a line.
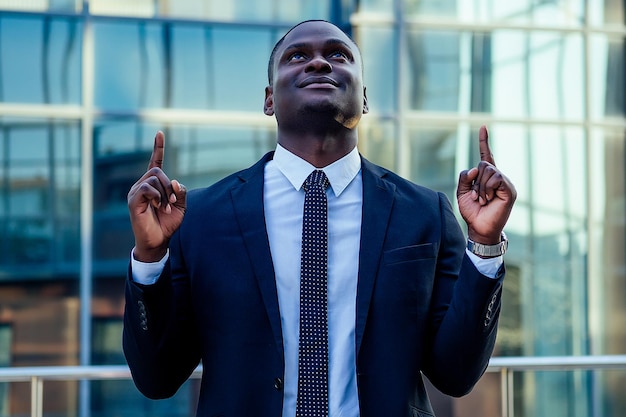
[378, 197]
[247, 200]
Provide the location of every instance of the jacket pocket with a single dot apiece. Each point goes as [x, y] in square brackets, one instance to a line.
[410, 253]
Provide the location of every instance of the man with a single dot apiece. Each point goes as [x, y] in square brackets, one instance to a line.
[216, 272]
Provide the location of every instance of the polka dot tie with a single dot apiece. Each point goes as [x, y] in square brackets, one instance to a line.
[312, 398]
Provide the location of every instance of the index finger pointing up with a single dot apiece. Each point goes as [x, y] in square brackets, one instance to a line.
[483, 145]
[158, 152]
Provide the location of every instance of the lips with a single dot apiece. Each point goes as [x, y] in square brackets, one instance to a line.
[318, 80]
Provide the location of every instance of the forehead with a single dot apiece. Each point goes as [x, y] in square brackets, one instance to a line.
[317, 34]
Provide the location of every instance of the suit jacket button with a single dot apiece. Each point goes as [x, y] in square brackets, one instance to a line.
[278, 384]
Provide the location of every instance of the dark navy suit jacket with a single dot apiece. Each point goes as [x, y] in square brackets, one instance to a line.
[422, 307]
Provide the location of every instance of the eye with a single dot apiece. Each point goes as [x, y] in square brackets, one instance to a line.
[339, 55]
[296, 56]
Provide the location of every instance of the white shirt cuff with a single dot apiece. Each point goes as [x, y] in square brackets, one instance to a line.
[486, 266]
[147, 273]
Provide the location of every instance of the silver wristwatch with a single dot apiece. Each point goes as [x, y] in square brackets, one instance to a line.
[489, 251]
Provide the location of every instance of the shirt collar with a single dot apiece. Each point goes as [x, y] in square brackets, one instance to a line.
[340, 173]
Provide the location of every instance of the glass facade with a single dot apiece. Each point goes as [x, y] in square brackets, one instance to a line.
[84, 86]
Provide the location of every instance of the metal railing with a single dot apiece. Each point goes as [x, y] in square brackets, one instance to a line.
[505, 366]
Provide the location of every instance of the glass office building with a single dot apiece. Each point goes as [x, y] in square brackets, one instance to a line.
[84, 86]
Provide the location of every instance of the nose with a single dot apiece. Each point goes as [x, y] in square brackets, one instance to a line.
[319, 64]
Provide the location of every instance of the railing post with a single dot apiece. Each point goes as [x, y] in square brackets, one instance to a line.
[510, 394]
[36, 397]
[506, 386]
[504, 392]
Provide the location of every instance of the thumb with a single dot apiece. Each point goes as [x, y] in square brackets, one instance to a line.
[180, 194]
[466, 181]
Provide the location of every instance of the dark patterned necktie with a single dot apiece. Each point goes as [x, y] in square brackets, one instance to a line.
[312, 398]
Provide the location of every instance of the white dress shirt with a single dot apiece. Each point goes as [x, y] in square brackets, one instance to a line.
[284, 204]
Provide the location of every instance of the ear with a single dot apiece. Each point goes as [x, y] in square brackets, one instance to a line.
[268, 106]
[366, 108]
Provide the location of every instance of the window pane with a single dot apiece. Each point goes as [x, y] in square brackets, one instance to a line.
[43, 5]
[560, 13]
[40, 60]
[510, 74]
[378, 141]
[259, 10]
[433, 59]
[608, 77]
[572, 388]
[557, 159]
[129, 65]
[40, 192]
[431, 7]
[538, 75]
[380, 67]
[608, 199]
[613, 402]
[610, 12]
[379, 7]
[220, 68]
[122, 399]
[244, 10]
[122, 7]
[149, 65]
[43, 316]
[433, 158]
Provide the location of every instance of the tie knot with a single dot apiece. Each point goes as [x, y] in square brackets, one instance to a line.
[317, 178]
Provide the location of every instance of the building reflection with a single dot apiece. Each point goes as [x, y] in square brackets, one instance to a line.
[84, 86]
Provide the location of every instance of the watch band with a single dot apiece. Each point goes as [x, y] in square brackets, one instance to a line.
[489, 251]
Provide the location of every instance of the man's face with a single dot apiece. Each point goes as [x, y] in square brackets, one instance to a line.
[317, 69]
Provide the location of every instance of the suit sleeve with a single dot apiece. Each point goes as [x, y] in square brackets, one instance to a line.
[463, 315]
[159, 338]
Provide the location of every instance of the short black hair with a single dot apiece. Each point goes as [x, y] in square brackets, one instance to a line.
[270, 65]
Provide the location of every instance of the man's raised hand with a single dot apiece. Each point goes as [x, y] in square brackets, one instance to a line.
[156, 206]
[485, 196]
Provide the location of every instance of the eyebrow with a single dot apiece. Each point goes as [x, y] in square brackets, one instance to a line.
[329, 42]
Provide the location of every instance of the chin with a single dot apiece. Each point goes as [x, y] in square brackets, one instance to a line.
[320, 108]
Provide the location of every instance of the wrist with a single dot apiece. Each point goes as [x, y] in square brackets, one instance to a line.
[149, 255]
[485, 251]
[489, 239]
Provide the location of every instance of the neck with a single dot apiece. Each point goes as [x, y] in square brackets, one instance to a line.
[318, 150]
[319, 138]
